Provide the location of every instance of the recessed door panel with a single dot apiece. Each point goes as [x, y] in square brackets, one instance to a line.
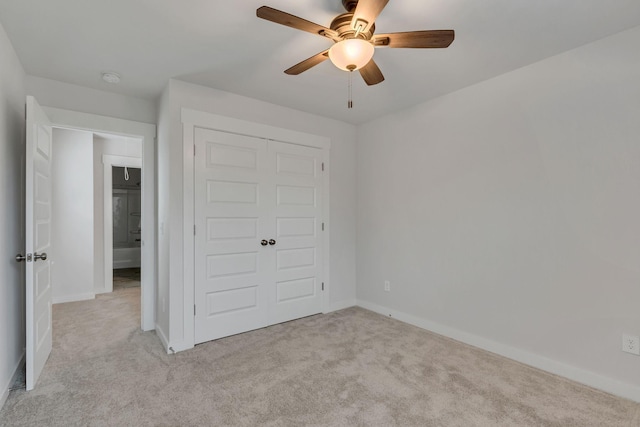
[292, 290]
[295, 258]
[232, 264]
[232, 192]
[296, 227]
[230, 156]
[233, 300]
[289, 195]
[296, 165]
[232, 228]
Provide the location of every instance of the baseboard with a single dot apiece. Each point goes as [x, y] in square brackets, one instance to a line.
[341, 305]
[609, 385]
[16, 372]
[163, 338]
[73, 298]
[171, 348]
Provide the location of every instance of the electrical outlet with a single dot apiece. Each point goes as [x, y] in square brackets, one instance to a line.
[631, 344]
[387, 286]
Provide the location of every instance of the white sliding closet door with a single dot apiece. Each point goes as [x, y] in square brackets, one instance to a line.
[258, 220]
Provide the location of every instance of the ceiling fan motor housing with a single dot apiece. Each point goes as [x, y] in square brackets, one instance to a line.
[342, 25]
[350, 5]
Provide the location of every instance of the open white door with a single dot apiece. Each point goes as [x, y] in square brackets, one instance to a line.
[38, 240]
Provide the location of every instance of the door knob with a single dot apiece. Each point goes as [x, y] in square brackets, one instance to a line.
[263, 243]
[42, 256]
[272, 242]
[20, 258]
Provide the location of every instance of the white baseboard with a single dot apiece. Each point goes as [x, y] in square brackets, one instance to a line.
[341, 305]
[163, 338]
[610, 385]
[5, 389]
[73, 298]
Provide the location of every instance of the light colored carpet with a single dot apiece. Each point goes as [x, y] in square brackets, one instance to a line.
[348, 368]
[126, 278]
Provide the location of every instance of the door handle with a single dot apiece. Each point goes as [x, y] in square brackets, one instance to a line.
[272, 242]
[42, 256]
[20, 258]
[263, 243]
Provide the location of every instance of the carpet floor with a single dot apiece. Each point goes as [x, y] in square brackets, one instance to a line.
[348, 368]
[126, 278]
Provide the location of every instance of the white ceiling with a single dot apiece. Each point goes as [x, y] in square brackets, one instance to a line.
[224, 45]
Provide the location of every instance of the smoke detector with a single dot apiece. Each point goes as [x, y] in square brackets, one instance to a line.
[111, 77]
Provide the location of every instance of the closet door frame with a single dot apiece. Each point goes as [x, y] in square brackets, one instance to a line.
[192, 119]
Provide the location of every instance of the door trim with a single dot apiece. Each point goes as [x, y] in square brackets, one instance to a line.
[147, 132]
[192, 119]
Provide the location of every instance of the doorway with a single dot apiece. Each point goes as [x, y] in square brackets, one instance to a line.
[122, 213]
[97, 212]
[40, 220]
[126, 225]
[105, 127]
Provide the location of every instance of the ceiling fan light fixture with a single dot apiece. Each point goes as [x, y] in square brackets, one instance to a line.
[351, 54]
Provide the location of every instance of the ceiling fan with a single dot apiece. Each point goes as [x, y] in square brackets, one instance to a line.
[354, 38]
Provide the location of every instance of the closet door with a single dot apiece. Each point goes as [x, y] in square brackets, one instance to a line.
[233, 203]
[297, 175]
[258, 241]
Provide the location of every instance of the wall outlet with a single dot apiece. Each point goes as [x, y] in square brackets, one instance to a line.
[387, 286]
[631, 344]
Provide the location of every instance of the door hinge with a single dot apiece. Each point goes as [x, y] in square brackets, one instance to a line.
[194, 309]
[194, 229]
[322, 166]
[323, 286]
[194, 150]
[323, 226]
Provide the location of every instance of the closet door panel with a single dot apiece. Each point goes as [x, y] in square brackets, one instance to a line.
[298, 226]
[232, 204]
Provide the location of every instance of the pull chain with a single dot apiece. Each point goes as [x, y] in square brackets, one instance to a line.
[126, 174]
[350, 101]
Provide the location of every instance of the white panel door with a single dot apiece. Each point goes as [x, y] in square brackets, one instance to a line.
[233, 199]
[258, 243]
[38, 240]
[297, 174]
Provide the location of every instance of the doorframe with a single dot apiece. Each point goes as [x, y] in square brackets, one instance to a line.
[192, 119]
[109, 161]
[147, 132]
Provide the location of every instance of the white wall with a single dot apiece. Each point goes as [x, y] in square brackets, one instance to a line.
[343, 188]
[507, 214]
[12, 107]
[72, 260]
[52, 93]
[110, 145]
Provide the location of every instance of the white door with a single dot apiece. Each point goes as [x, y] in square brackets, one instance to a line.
[258, 207]
[38, 240]
[232, 267]
[297, 225]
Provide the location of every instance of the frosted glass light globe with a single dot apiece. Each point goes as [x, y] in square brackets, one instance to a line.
[351, 54]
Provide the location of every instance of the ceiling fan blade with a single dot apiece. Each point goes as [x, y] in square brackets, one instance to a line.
[416, 39]
[284, 18]
[308, 63]
[371, 73]
[366, 13]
